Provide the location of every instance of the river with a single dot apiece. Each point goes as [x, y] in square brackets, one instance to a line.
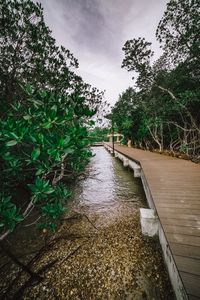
[109, 190]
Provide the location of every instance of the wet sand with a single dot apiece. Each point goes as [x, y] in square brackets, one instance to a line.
[112, 262]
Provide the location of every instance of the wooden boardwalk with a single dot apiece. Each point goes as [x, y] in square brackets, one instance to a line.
[174, 185]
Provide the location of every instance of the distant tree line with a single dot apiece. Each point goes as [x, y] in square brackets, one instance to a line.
[99, 134]
[163, 110]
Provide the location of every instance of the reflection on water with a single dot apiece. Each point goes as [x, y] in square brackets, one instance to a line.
[109, 187]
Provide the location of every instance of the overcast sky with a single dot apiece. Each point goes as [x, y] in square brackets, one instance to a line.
[95, 32]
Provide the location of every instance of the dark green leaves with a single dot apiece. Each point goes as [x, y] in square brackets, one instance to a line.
[29, 89]
[64, 141]
[35, 153]
[53, 210]
[9, 216]
[45, 110]
[40, 188]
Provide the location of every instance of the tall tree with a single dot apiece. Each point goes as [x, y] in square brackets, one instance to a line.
[179, 30]
[170, 86]
[29, 54]
[46, 110]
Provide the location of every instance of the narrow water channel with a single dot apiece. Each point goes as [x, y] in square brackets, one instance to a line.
[109, 190]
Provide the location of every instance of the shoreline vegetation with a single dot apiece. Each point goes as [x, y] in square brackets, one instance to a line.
[46, 111]
[161, 111]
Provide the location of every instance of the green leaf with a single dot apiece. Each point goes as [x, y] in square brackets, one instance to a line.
[35, 153]
[68, 150]
[91, 122]
[29, 89]
[49, 190]
[11, 143]
[19, 218]
[7, 156]
[66, 140]
[27, 117]
[47, 125]
[14, 135]
[39, 172]
[43, 94]
[54, 107]
[32, 138]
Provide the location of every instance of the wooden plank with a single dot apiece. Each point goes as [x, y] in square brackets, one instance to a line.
[157, 185]
[189, 205]
[173, 221]
[186, 250]
[175, 192]
[178, 216]
[180, 197]
[188, 230]
[183, 239]
[188, 265]
[176, 198]
[179, 210]
[191, 283]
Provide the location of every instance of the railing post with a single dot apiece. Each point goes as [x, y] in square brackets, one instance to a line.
[113, 139]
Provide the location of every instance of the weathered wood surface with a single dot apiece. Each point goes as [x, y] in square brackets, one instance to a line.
[175, 188]
[97, 144]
